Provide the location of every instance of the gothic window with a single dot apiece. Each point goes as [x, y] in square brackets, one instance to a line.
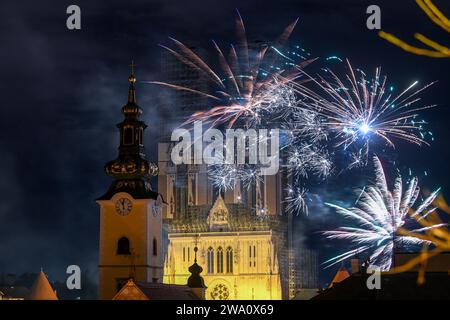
[128, 136]
[252, 256]
[123, 246]
[155, 247]
[229, 260]
[220, 260]
[210, 257]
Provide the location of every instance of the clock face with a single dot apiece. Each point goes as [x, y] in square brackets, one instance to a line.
[123, 206]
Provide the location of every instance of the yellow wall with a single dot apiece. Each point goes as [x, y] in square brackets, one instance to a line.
[261, 280]
[139, 226]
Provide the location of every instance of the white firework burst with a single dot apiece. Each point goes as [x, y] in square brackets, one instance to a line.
[358, 110]
[309, 159]
[228, 176]
[296, 200]
[379, 214]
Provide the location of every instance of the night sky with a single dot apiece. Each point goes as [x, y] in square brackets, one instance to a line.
[61, 93]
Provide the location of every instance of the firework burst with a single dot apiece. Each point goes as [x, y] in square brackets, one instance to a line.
[379, 214]
[356, 110]
[309, 159]
[243, 86]
[296, 200]
[226, 176]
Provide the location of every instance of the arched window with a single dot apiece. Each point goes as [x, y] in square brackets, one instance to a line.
[229, 260]
[210, 257]
[155, 247]
[219, 260]
[123, 246]
[128, 136]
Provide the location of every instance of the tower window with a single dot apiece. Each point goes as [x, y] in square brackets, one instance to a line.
[229, 260]
[219, 260]
[210, 259]
[155, 247]
[128, 135]
[123, 246]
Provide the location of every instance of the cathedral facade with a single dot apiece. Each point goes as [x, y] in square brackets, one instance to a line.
[239, 233]
[237, 253]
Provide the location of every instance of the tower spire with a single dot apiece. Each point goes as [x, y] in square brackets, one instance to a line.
[132, 80]
[130, 170]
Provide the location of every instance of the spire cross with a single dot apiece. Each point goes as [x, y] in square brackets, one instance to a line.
[132, 65]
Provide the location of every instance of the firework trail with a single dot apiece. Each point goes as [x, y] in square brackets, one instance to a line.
[379, 214]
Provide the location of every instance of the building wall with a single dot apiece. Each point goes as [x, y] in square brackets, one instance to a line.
[140, 226]
[253, 277]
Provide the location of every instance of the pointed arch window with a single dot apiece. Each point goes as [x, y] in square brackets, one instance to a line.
[123, 246]
[219, 260]
[229, 260]
[210, 258]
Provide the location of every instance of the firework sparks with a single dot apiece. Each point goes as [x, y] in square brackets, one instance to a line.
[296, 200]
[309, 158]
[357, 110]
[226, 176]
[379, 214]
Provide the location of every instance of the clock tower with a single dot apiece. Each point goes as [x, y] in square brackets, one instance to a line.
[130, 216]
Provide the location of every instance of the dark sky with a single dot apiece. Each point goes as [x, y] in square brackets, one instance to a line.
[61, 93]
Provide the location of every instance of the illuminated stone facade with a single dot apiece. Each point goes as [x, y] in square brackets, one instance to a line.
[236, 251]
